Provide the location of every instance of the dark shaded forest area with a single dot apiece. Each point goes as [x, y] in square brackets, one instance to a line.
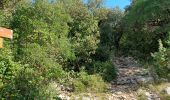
[73, 44]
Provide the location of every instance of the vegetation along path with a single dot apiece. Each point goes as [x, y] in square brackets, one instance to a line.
[130, 77]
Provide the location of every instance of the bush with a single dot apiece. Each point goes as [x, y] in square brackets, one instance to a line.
[89, 83]
[164, 97]
[79, 86]
[102, 53]
[27, 84]
[105, 69]
[161, 61]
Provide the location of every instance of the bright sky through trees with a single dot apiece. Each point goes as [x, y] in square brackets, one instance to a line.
[115, 3]
[120, 3]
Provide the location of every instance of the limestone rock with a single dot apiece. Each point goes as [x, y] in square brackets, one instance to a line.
[152, 96]
[163, 80]
[167, 90]
[64, 97]
[145, 80]
[85, 98]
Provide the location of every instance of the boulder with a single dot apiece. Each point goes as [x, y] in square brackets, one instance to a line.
[152, 96]
[167, 90]
[144, 80]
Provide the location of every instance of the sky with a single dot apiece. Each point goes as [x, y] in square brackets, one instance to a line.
[120, 3]
[114, 3]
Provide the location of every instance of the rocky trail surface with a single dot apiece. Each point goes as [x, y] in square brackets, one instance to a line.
[130, 77]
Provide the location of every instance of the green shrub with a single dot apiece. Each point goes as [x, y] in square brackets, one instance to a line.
[97, 84]
[102, 53]
[28, 84]
[55, 72]
[79, 86]
[8, 68]
[161, 61]
[164, 97]
[24, 82]
[89, 83]
[105, 69]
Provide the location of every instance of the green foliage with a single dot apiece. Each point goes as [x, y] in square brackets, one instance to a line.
[89, 83]
[109, 27]
[79, 86]
[1, 18]
[27, 84]
[42, 37]
[83, 33]
[142, 33]
[48, 38]
[84, 41]
[165, 97]
[102, 53]
[161, 59]
[8, 68]
[6, 3]
[105, 69]
[19, 81]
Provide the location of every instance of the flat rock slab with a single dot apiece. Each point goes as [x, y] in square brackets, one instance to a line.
[167, 90]
[152, 96]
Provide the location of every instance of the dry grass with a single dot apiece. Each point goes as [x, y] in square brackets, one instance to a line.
[155, 88]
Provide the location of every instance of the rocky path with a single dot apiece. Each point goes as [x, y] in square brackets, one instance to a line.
[130, 74]
[130, 77]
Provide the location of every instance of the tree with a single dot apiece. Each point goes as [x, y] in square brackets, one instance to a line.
[83, 34]
[10, 4]
[94, 5]
[145, 23]
[41, 31]
[110, 32]
[109, 27]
